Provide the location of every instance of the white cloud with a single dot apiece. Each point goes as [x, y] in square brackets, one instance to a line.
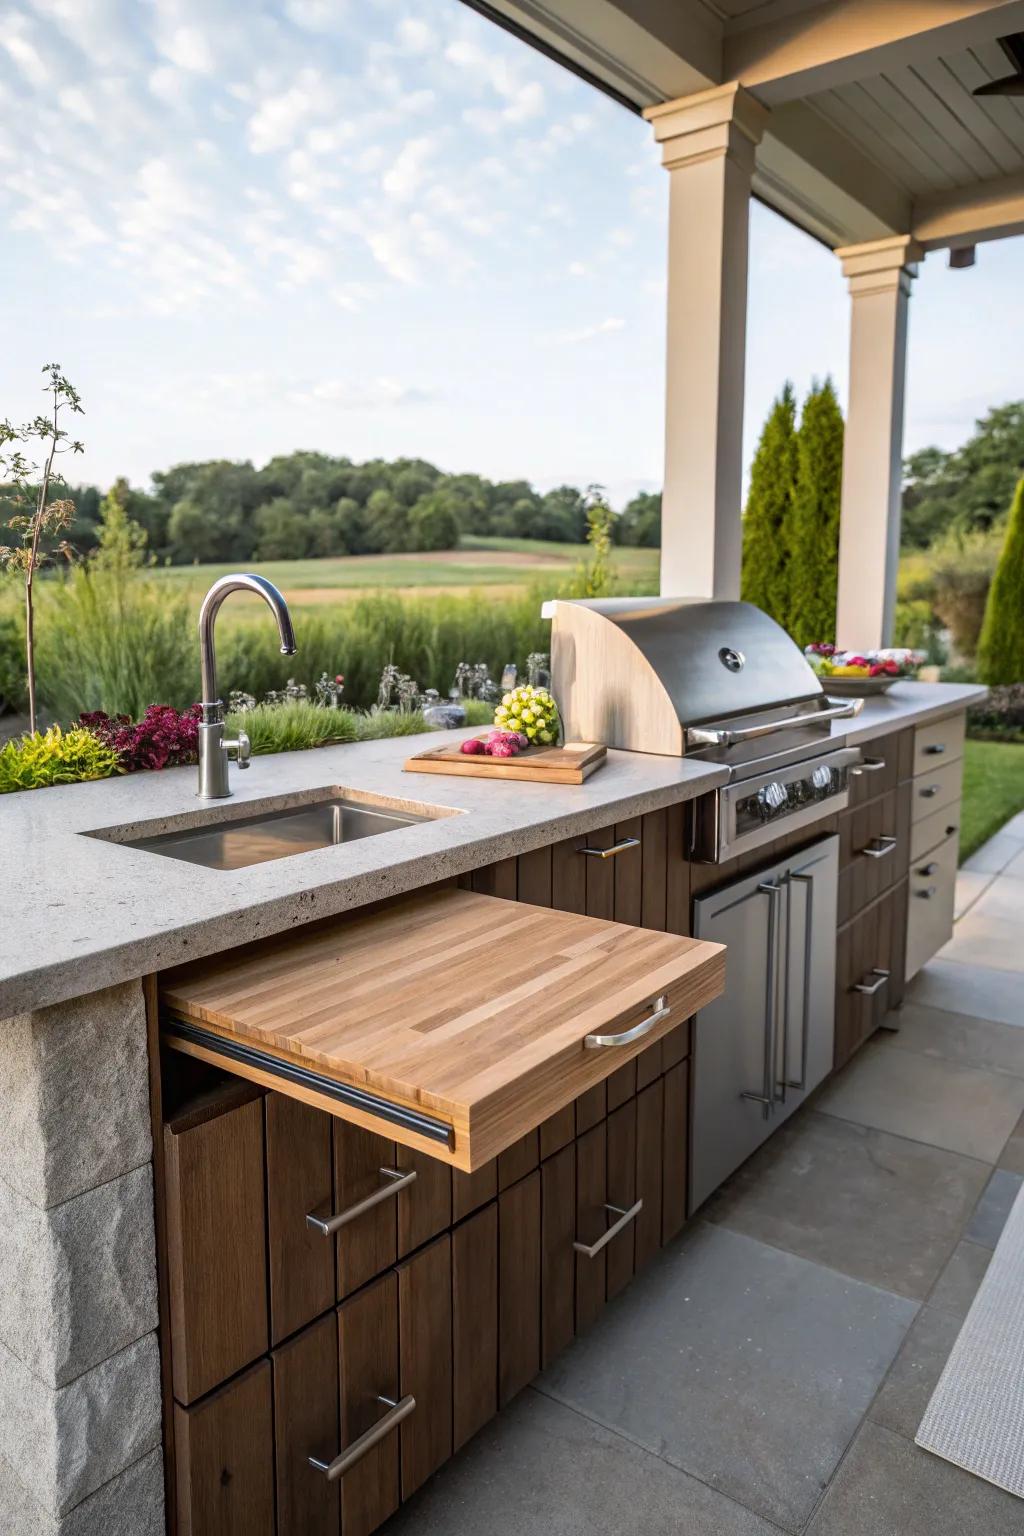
[523, 99]
[586, 332]
[277, 120]
[415, 36]
[315, 15]
[408, 170]
[188, 48]
[358, 394]
[577, 269]
[75, 102]
[16, 37]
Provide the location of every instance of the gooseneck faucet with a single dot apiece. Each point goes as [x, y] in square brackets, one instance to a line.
[214, 750]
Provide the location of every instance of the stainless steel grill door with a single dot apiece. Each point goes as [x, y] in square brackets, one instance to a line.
[768, 1040]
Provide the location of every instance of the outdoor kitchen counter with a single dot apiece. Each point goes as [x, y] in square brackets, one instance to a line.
[79, 913]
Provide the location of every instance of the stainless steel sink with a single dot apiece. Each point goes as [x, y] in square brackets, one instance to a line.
[248, 840]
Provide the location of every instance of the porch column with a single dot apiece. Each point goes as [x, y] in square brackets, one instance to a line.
[879, 275]
[708, 142]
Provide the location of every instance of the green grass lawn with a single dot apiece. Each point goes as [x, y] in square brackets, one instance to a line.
[478, 562]
[993, 790]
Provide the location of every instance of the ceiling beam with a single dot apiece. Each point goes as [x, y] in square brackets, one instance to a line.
[644, 51]
[988, 210]
[845, 40]
[813, 174]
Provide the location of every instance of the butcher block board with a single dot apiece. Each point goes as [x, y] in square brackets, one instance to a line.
[458, 1006]
[569, 764]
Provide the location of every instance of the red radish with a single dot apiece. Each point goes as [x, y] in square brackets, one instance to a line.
[472, 746]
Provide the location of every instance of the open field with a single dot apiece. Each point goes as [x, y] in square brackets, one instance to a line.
[993, 790]
[505, 565]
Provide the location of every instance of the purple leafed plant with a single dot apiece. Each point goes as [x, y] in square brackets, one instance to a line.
[163, 738]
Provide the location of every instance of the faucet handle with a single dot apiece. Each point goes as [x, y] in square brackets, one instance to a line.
[240, 749]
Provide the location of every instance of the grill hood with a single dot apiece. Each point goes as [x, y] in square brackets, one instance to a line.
[640, 672]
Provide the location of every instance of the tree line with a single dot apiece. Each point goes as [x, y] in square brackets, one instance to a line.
[308, 505]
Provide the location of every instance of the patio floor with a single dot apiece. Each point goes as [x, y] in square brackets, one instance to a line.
[769, 1371]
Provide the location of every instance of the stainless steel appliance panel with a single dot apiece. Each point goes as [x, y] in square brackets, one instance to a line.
[768, 1041]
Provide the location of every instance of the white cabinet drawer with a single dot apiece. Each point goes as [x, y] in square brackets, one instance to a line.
[933, 829]
[931, 903]
[937, 790]
[939, 743]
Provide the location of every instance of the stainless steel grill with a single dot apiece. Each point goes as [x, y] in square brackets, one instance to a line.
[717, 680]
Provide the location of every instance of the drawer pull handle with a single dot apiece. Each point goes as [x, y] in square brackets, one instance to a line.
[928, 869]
[366, 1442]
[395, 1180]
[883, 846]
[928, 791]
[936, 749]
[662, 1008]
[951, 829]
[609, 853]
[869, 765]
[927, 895]
[625, 1217]
[869, 988]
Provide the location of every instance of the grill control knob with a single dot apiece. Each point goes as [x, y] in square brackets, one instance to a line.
[821, 778]
[772, 797]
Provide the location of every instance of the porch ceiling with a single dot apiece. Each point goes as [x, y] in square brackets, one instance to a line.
[874, 129]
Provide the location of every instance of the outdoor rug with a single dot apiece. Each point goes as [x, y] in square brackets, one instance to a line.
[976, 1415]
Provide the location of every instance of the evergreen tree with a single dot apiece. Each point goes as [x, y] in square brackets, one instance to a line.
[772, 483]
[1001, 648]
[812, 527]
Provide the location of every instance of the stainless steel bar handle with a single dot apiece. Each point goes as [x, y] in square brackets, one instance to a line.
[884, 848]
[936, 749]
[591, 1250]
[869, 765]
[927, 869]
[927, 895]
[805, 1021]
[662, 1008]
[700, 736]
[929, 791]
[766, 1098]
[345, 1460]
[869, 988]
[395, 1180]
[610, 853]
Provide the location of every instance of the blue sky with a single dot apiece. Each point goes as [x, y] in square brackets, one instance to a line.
[386, 227]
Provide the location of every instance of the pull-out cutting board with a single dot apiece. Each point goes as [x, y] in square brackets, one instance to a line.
[448, 1021]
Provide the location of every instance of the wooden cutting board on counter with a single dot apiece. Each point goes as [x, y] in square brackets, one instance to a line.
[568, 764]
[448, 1021]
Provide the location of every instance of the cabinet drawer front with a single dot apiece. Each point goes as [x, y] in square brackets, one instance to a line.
[425, 1361]
[216, 1248]
[880, 770]
[475, 1323]
[932, 902]
[367, 1343]
[433, 1046]
[933, 829]
[306, 1424]
[299, 1181]
[224, 1460]
[938, 789]
[940, 742]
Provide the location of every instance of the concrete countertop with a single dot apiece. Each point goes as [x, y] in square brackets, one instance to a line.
[81, 912]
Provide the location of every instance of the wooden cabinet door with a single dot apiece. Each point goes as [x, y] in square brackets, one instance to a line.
[675, 1173]
[591, 1222]
[650, 1135]
[299, 1180]
[425, 1361]
[518, 1160]
[367, 1342]
[368, 1245]
[474, 1323]
[622, 1194]
[216, 1246]
[224, 1459]
[558, 1258]
[472, 1190]
[306, 1423]
[425, 1207]
[519, 1268]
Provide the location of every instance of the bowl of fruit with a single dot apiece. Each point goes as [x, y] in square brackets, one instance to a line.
[862, 673]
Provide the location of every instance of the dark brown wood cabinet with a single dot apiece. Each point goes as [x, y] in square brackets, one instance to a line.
[519, 1286]
[299, 1181]
[224, 1459]
[474, 1324]
[425, 1361]
[368, 1356]
[306, 1423]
